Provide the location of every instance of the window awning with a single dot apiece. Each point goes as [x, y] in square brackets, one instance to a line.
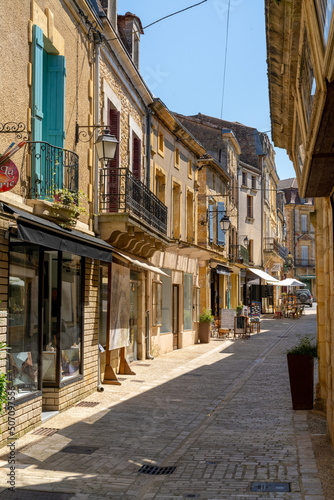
[261, 274]
[223, 270]
[139, 262]
[48, 234]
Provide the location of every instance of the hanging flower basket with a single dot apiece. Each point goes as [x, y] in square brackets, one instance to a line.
[67, 207]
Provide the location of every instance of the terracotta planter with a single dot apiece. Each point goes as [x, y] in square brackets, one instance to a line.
[301, 367]
[204, 333]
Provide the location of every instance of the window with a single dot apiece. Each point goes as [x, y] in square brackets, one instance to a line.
[161, 144]
[324, 12]
[23, 320]
[244, 179]
[253, 182]
[190, 217]
[160, 186]
[111, 187]
[251, 250]
[136, 156]
[166, 308]
[153, 143]
[196, 304]
[221, 236]
[187, 301]
[156, 302]
[190, 169]
[249, 207]
[177, 158]
[303, 221]
[304, 255]
[176, 211]
[48, 115]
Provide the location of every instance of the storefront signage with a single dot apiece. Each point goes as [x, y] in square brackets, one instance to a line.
[9, 175]
[276, 267]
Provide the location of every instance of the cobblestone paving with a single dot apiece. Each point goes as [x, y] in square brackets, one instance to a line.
[220, 413]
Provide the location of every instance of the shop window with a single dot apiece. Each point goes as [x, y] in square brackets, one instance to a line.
[188, 301]
[23, 321]
[166, 307]
[103, 305]
[156, 302]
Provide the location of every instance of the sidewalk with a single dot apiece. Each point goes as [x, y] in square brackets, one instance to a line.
[220, 413]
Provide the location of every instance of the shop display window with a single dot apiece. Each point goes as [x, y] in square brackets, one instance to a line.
[23, 331]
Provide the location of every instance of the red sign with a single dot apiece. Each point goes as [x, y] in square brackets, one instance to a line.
[9, 175]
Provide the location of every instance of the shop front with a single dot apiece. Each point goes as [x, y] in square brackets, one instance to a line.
[52, 296]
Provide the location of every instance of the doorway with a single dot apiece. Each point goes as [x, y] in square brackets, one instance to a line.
[176, 297]
[132, 349]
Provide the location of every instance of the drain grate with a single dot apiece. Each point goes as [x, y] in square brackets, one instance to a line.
[279, 487]
[153, 470]
[45, 431]
[87, 404]
[138, 381]
[80, 450]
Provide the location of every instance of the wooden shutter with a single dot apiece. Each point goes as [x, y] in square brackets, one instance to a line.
[136, 156]
[54, 100]
[220, 214]
[113, 165]
[37, 107]
[210, 223]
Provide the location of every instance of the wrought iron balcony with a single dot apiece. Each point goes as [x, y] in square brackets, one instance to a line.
[122, 192]
[239, 254]
[304, 263]
[52, 168]
[271, 245]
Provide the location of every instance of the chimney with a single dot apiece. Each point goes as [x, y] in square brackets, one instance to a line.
[130, 29]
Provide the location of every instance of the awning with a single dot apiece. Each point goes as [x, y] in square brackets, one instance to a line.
[262, 274]
[139, 262]
[48, 234]
[223, 270]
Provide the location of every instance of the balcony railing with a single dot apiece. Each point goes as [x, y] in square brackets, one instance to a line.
[304, 263]
[239, 254]
[122, 192]
[52, 168]
[271, 245]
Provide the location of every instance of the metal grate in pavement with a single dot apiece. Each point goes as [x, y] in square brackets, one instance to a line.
[138, 381]
[45, 431]
[87, 404]
[277, 487]
[20, 494]
[80, 450]
[154, 470]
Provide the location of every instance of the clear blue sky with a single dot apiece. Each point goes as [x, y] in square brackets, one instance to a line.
[182, 60]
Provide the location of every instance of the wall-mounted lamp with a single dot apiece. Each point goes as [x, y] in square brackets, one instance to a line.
[105, 143]
[246, 241]
[225, 223]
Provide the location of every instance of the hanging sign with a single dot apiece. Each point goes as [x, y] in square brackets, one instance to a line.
[9, 175]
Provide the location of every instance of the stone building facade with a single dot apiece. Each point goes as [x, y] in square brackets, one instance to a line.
[300, 55]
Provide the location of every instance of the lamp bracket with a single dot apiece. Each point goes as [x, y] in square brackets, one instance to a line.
[84, 135]
[17, 128]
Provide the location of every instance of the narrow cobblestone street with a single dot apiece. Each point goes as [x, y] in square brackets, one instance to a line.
[220, 413]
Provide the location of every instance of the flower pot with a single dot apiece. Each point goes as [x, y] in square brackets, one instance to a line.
[204, 332]
[301, 367]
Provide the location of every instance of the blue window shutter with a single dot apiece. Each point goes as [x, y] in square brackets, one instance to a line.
[37, 106]
[210, 223]
[54, 100]
[220, 214]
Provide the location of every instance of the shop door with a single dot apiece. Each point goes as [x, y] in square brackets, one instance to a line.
[175, 316]
[131, 350]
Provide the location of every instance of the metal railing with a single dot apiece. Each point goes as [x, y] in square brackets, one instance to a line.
[122, 192]
[239, 254]
[271, 245]
[304, 263]
[52, 169]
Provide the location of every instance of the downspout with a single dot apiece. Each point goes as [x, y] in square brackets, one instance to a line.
[148, 149]
[262, 211]
[96, 122]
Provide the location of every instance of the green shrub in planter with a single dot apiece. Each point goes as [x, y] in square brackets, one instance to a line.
[307, 345]
[206, 316]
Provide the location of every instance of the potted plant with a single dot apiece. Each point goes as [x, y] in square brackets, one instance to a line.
[239, 309]
[301, 367]
[205, 321]
[68, 206]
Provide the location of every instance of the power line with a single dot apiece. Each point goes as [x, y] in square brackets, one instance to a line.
[161, 19]
[226, 42]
